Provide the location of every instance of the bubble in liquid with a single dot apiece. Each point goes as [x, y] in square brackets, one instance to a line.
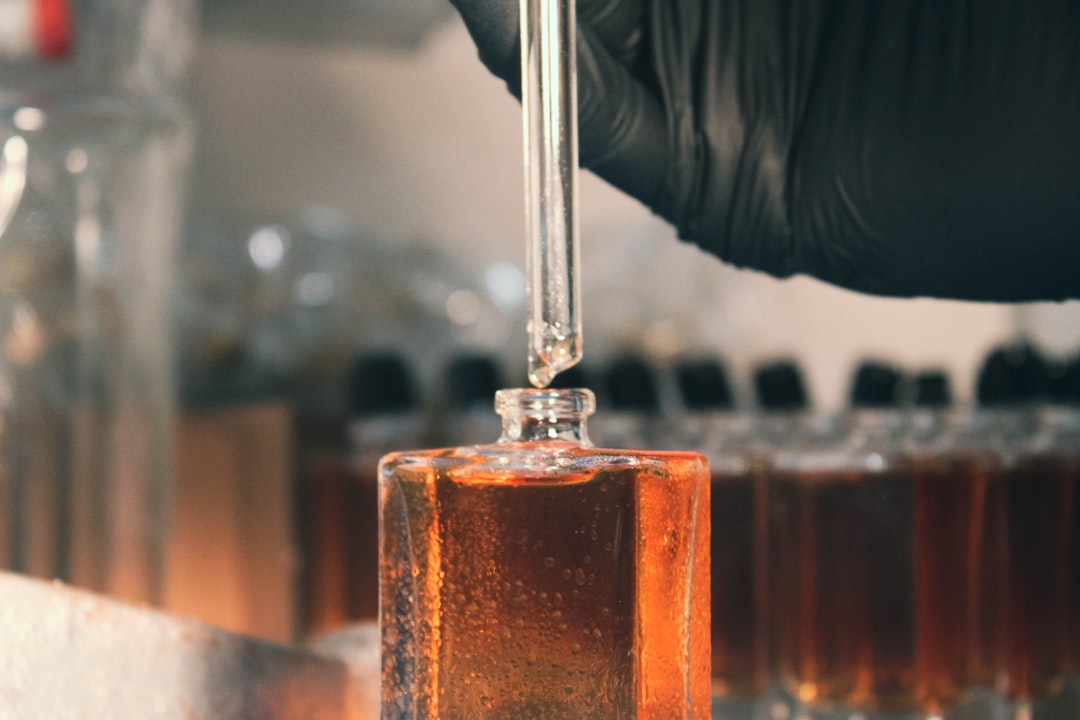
[549, 562]
[579, 576]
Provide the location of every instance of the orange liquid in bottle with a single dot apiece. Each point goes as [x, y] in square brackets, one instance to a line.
[960, 535]
[545, 579]
[1044, 510]
[889, 586]
[738, 589]
[844, 613]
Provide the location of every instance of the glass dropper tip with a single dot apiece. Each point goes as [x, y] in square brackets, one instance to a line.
[548, 362]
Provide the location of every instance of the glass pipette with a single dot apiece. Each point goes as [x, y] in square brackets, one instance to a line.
[549, 101]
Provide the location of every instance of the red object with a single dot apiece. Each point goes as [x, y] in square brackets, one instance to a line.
[52, 28]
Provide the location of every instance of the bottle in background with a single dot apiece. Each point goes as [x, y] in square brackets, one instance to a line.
[710, 424]
[841, 542]
[472, 380]
[338, 496]
[1043, 545]
[88, 226]
[540, 577]
[1067, 393]
[631, 391]
[960, 534]
[783, 407]
[95, 141]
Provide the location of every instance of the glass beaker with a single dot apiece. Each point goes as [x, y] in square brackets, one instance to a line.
[538, 577]
[91, 194]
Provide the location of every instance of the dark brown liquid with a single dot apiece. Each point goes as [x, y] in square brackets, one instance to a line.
[890, 589]
[340, 542]
[960, 536]
[739, 591]
[1044, 574]
[570, 595]
[844, 610]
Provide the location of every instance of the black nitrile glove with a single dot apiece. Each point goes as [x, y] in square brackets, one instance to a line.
[897, 147]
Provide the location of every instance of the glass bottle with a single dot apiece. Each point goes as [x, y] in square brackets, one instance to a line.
[959, 555]
[710, 424]
[539, 577]
[471, 381]
[1043, 501]
[338, 493]
[632, 395]
[89, 218]
[840, 545]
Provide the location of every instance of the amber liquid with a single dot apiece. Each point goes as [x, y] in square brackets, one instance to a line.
[340, 540]
[890, 586]
[960, 556]
[1044, 574]
[738, 585]
[844, 612]
[569, 593]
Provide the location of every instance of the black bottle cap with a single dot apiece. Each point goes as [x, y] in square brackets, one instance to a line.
[630, 384]
[381, 382]
[1012, 375]
[1071, 381]
[472, 380]
[576, 376]
[1063, 381]
[779, 386]
[703, 385]
[933, 389]
[875, 385]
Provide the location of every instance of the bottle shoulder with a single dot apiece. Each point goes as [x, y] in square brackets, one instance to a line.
[555, 458]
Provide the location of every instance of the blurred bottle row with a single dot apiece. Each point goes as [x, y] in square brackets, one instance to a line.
[904, 558]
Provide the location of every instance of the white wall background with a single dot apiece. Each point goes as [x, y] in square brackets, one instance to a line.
[427, 144]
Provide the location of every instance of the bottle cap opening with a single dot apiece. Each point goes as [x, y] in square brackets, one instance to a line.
[545, 401]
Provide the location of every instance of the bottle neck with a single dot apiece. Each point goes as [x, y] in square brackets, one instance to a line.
[532, 415]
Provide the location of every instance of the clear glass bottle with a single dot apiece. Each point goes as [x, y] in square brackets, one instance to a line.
[539, 577]
[90, 211]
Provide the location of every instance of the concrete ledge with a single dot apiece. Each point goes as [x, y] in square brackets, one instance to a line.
[66, 654]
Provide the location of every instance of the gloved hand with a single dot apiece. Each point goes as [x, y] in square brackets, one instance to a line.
[910, 147]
